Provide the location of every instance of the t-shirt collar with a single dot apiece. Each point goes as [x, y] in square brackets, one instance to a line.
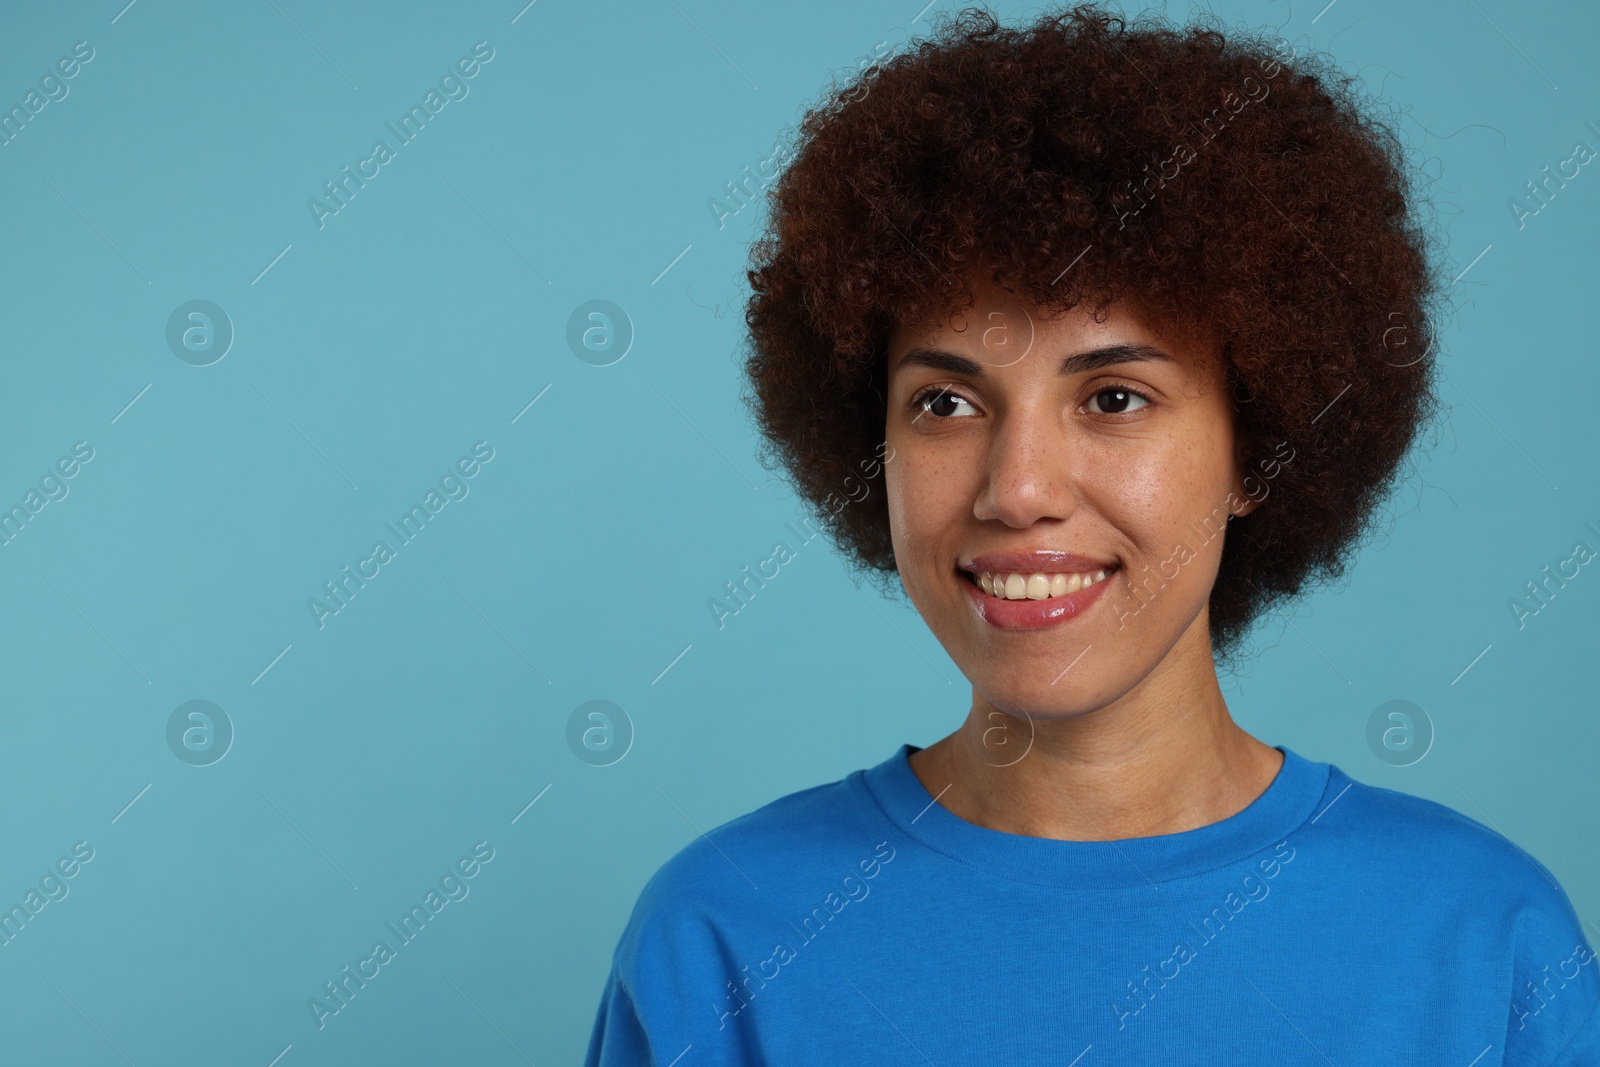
[1287, 803]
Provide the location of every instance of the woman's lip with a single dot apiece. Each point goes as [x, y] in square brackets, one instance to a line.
[1038, 561]
[1032, 614]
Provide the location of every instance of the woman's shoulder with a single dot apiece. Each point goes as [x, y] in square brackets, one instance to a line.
[1401, 840]
[744, 867]
[796, 828]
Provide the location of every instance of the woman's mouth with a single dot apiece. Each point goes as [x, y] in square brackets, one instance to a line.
[1037, 586]
[1018, 600]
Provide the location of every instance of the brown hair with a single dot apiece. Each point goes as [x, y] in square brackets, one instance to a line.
[1215, 178]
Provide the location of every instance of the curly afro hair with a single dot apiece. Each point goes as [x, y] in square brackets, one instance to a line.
[1216, 179]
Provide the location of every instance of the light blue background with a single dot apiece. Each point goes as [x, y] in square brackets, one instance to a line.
[425, 316]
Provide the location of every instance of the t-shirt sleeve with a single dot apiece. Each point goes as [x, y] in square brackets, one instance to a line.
[1584, 1049]
[1555, 996]
[618, 1039]
[668, 987]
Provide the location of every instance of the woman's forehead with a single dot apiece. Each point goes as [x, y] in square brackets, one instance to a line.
[999, 329]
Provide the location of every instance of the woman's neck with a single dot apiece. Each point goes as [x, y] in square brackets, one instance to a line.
[1163, 758]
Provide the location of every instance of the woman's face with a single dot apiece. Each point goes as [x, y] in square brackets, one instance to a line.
[1079, 447]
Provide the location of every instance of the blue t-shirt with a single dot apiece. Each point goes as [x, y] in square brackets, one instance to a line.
[1330, 922]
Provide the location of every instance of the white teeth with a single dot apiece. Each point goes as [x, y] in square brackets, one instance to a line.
[1036, 586]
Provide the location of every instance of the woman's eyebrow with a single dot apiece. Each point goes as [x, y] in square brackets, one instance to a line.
[1093, 359]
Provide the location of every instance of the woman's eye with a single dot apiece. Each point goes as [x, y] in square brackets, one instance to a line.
[939, 403]
[1118, 401]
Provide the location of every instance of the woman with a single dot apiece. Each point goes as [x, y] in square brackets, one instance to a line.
[1135, 322]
